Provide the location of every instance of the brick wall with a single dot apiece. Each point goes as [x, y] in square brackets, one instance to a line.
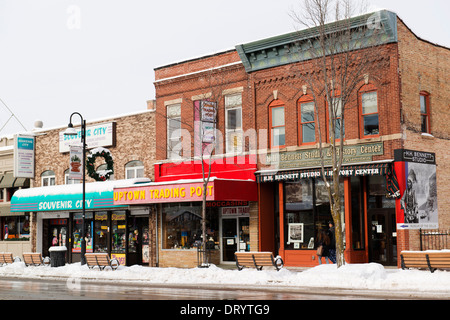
[426, 67]
[135, 140]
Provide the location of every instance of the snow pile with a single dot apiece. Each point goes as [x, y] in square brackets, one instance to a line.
[369, 276]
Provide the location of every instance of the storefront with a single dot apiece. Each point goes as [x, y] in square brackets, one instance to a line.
[122, 233]
[229, 208]
[294, 209]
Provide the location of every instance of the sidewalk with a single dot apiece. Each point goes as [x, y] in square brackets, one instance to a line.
[371, 277]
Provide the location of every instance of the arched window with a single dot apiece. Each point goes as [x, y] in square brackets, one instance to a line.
[277, 124]
[368, 100]
[134, 169]
[48, 178]
[67, 180]
[306, 121]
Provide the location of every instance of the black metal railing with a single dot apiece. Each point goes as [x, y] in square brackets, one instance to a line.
[434, 239]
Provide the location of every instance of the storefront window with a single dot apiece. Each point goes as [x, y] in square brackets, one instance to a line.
[133, 235]
[15, 228]
[358, 228]
[77, 231]
[182, 225]
[377, 194]
[118, 235]
[306, 215]
[299, 214]
[101, 232]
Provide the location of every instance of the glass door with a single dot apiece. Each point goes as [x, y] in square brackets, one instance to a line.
[229, 239]
[383, 237]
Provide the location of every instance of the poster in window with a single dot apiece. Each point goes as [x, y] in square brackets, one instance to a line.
[295, 233]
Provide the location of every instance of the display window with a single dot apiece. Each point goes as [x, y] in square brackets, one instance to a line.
[15, 228]
[182, 225]
[101, 232]
[88, 231]
[307, 212]
[118, 231]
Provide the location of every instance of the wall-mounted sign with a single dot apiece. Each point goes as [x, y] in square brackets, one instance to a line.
[311, 157]
[24, 156]
[99, 135]
[416, 172]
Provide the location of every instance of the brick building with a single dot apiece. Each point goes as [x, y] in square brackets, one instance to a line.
[14, 227]
[259, 95]
[54, 202]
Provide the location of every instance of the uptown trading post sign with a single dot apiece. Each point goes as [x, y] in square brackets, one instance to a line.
[216, 190]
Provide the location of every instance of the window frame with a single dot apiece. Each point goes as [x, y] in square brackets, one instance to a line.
[368, 88]
[274, 105]
[170, 154]
[45, 176]
[427, 114]
[229, 147]
[131, 166]
[327, 118]
[304, 100]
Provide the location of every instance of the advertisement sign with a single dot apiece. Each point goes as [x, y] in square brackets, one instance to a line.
[99, 135]
[417, 207]
[163, 193]
[76, 163]
[208, 111]
[24, 156]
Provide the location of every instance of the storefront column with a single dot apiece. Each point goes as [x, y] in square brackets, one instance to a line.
[33, 230]
[348, 221]
[281, 209]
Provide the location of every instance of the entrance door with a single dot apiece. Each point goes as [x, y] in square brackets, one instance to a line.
[229, 239]
[235, 237]
[383, 237]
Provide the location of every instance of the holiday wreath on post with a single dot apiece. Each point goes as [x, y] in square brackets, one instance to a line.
[102, 175]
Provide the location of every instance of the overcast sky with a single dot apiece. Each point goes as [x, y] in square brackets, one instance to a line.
[97, 56]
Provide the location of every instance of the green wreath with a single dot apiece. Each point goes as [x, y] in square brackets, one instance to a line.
[90, 164]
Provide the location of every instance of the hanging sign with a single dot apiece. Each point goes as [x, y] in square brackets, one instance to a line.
[24, 156]
[76, 163]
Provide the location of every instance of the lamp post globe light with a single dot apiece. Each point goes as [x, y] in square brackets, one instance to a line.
[70, 131]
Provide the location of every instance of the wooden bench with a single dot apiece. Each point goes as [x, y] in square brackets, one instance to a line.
[7, 258]
[431, 260]
[33, 259]
[257, 260]
[101, 260]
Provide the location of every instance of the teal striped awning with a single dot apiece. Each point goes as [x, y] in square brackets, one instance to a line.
[98, 195]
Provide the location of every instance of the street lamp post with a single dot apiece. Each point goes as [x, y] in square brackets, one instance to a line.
[70, 131]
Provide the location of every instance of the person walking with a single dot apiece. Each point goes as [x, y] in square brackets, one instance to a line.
[323, 243]
[332, 247]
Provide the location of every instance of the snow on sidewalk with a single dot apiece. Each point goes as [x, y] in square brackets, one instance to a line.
[351, 276]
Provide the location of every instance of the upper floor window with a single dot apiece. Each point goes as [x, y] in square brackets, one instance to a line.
[307, 124]
[134, 169]
[174, 131]
[369, 111]
[337, 110]
[425, 113]
[67, 180]
[48, 178]
[233, 123]
[277, 124]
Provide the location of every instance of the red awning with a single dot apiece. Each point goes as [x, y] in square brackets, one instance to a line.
[187, 191]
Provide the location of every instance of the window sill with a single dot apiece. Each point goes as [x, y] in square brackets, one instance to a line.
[427, 136]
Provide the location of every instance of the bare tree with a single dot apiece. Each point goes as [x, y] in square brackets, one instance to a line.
[341, 55]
